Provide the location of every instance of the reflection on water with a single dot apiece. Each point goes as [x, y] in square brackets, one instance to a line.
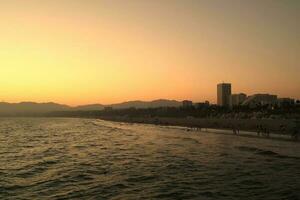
[94, 159]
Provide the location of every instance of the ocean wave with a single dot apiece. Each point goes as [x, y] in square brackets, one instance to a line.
[76, 159]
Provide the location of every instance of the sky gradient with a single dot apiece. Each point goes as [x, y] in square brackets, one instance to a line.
[80, 52]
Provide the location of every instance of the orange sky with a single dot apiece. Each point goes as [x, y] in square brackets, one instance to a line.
[80, 52]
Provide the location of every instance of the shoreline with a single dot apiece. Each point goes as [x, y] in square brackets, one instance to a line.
[238, 127]
[271, 129]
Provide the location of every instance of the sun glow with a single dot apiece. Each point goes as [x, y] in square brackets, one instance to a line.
[78, 52]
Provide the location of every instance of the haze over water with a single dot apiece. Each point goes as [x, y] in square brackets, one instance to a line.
[93, 159]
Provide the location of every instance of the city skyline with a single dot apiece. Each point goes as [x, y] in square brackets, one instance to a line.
[75, 52]
[220, 98]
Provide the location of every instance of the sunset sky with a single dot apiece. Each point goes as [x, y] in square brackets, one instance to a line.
[92, 51]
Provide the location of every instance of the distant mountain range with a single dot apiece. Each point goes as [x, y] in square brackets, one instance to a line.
[32, 107]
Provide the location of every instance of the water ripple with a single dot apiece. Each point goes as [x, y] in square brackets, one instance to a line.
[93, 159]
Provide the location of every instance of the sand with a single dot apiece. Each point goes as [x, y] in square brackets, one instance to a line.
[266, 127]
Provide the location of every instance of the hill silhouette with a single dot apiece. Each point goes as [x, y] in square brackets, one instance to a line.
[33, 107]
[147, 104]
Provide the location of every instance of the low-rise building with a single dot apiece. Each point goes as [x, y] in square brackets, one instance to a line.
[257, 100]
[204, 104]
[187, 104]
[237, 99]
[108, 108]
[285, 102]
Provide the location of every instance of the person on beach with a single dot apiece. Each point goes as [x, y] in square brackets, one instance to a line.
[267, 132]
[234, 130]
[264, 131]
[282, 129]
[295, 134]
[259, 129]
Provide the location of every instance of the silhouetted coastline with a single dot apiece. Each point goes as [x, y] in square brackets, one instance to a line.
[261, 120]
[283, 121]
[261, 127]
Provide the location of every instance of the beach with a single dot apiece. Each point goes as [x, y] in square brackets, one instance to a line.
[278, 128]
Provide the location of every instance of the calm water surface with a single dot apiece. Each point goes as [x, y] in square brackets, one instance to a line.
[94, 159]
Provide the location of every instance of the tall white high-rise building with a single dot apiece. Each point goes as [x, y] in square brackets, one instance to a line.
[223, 94]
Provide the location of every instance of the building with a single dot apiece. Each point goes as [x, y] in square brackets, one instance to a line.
[108, 108]
[223, 94]
[202, 104]
[187, 104]
[282, 102]
[237, 99]
[257, 100]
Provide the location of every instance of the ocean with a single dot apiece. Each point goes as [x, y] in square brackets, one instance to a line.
[65, 158]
